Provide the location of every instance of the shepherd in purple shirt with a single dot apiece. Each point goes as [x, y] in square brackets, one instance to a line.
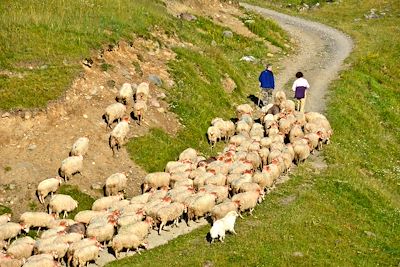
[267, 83]
[300, 88]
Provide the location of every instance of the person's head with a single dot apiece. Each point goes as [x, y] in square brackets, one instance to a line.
[268, 67]
[299, 74]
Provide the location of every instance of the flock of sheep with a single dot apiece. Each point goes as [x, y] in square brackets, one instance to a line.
[258, 150]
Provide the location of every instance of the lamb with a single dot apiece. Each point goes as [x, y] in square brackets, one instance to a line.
[71, 166]
[36, 219]
[248, 200]
[213, 134]
[47, 186]
[156, 180]
[140, 229]
[125, 94]
[80, 147]
[105, 202]
[201, 206]
[21, 248]
[85, 254]
[219, 211]
[142, 91]
[217, 231]
[62, 203]
[5, 218]
[114, 112]
[115, 183]
[10, 230]
[139, 108]
[169, 213]
[121, 241]
[119, 134]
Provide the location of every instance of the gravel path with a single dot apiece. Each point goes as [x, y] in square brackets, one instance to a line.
[322, 51]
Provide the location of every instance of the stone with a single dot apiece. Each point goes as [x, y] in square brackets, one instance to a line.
[32, 147]
[88, 97]
[213, 43]
[6, 115]
[370, 234]
[298, 254]
[27, 115]
[43, 67]
[96, 186]
[155, 103]
[161, 95]
[155, 79]
[161, 110]
[104, 258]
[85, 116]
[270, 55]
[248, 59]
[12, 186]
[227, 34]
[187, 16]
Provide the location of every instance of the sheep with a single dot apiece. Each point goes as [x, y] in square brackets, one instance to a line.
[310, 116]
[52, 232]
[47, 186]
[243, 109]
[301, 152]
[125, 94]
[237, 139]
[236, 184]
[80, 147]
[115, 183]
[201, 206]
[118, 205]
[182, 195]
[132, 207]
[76, 228]
[280, 98]
[36, 219]
[41, 260]
[229, 221]
[57, 249]
[313, 140]
[218, 179]
[142, 91]
[227, 128]
[249, 186]
[295, 133]
[288, 106]
[177, 166]
[105, 202]
[71, 166]
[171, 212]
[85, 254]
[213, 134]
[102, 232]
[274, 154]
[184, 182]
[9, 261]
[78, 245]
[62, 203]
[159, 194]
[21, 248]
[274, 109]
[131, 217]
[156, 180]
[5, 218]
[264, 153]
[139, 108]
[85, 216]
[121, 241]
[219, 211]
[263, 179]
[242, 127]
[222, 191]
[217, 231]
[188, 154]
[140, 229]
[248, 200]
[114, 112]
[119, 134]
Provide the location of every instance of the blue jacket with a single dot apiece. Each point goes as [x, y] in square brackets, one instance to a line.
[267, 79]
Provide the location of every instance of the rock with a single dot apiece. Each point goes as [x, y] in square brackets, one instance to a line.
[12, 186]
[249, 21]
[187, 16]
[270, 55]
[155, 79]
[370, 234]
[161, 110]
[43, 67]
[297, 254]
[208, 264]
[85, 116]
[88, 97]
[104, 258]
[227, 34]
[96, 186]
[248, 59]
[32, 147]
[155, 103]
[161, 96]
[27, 115]
[6, 115]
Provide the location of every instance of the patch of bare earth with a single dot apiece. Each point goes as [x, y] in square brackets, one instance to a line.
[33, 144]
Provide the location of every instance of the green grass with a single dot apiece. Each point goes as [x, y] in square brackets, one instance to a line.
[85, 201]
[348, 214]
[4, 209]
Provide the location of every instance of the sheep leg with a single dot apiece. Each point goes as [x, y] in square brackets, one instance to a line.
[160, 228]
[65, 214]
[240, 215]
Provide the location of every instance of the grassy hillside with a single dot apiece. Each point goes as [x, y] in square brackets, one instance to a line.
[348, 214]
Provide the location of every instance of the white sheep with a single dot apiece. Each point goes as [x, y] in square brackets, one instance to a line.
[142, 91]
[243, 109]
[80, 147]
[221, 191]
[114, 112]
[57, 249]
[214, 135]
[85, 254]
[188, 154]
[10, 230]
[156, 180]
[201, 206]
[125, 94]
[169, 213]
[41, 260]
[243, 128]
[140, 229]
[71, 166]
[36, 219]
[301, 152]
[139, 108]
[248, 200]
[62, 203]
[105, 202]
[280, 98]
[78, 245]
[102, 232]
[9, 261]
[127, 241]
[141, 199]
[5, 218]
[119, 134]
[21, 248]
[131, 217]
[220, 210]
[115, 183]
[85, 216]
[47, 186]
[217, 231]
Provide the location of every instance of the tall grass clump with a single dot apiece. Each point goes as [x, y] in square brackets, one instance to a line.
[43, 43]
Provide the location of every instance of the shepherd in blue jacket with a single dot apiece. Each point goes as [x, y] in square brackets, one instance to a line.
[267, 83]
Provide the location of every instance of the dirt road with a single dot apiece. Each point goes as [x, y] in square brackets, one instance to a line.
[322, 51]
